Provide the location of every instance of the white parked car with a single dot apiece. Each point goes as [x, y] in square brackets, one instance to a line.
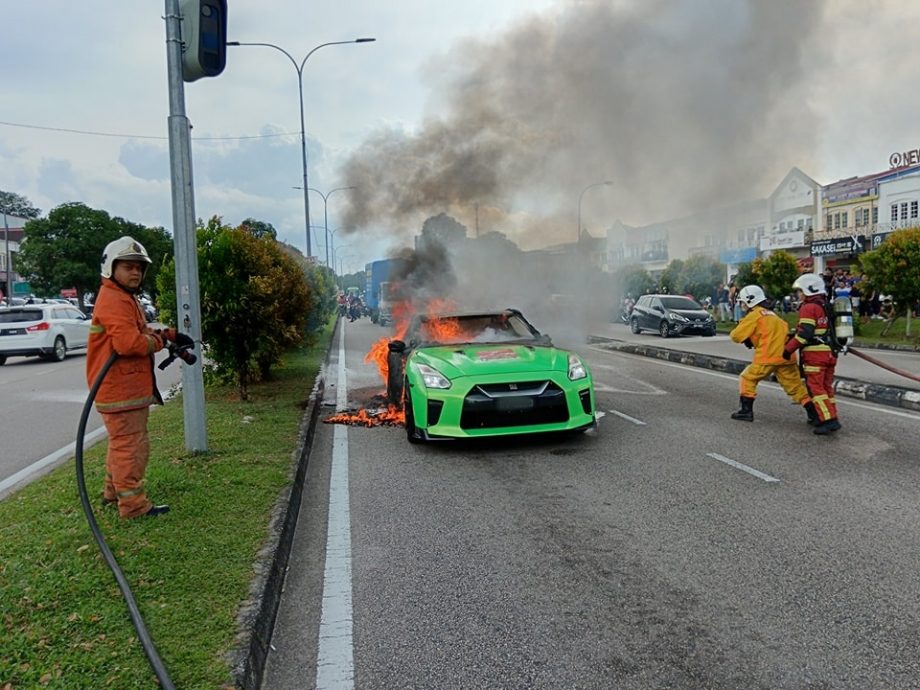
[48, 331]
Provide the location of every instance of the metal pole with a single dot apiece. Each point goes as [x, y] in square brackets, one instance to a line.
[303, 158]
[9, 262]
[326, 230]
[185, 242]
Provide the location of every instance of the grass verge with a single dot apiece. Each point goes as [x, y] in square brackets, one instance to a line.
[63, 622]
[867, 334]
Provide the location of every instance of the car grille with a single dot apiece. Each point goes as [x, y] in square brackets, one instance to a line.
[514, 404]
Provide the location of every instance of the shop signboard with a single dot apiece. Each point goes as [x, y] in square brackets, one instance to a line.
[783, 240]
[878, 238]
[839, 245]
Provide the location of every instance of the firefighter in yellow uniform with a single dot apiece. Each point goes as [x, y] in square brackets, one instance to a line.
[765, 332]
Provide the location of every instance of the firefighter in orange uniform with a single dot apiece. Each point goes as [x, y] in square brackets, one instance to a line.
[765, 332]
[813, 338]
[119, 325]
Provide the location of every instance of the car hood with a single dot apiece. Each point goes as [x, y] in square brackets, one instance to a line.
[691, 313]
[478, 360]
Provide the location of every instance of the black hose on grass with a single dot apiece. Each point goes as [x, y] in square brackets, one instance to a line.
[143, 635]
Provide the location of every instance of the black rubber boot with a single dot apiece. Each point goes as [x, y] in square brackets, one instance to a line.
[157, 510]
[828, 427]
[746, 413]
[813, 418]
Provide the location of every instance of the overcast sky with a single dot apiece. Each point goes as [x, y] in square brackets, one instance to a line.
[640, 92]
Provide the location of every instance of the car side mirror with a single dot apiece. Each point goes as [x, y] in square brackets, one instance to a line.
[396, 346]
[658, 309]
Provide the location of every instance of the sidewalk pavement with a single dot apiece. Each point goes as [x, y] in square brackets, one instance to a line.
[856, 378]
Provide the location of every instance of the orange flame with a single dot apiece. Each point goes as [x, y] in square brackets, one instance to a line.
[437, 330]
[392, 415]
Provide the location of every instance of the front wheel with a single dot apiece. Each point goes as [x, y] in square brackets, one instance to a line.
[395, 377]
[634, 326]
[664, 330]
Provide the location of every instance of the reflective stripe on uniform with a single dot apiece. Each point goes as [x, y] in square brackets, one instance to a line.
[97, 328]
[131, 492]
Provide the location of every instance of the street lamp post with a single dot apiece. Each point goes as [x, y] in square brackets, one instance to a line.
[605, 183]
[332, 240]
[326, 217]
[303, 131]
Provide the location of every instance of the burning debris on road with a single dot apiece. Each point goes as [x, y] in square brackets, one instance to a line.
[382, 415]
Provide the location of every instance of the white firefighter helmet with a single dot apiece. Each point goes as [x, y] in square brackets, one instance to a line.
[752, 295]
[123, 249]
[811, 284]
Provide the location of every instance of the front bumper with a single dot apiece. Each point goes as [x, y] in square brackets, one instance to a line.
[502, 405]
[692, 327]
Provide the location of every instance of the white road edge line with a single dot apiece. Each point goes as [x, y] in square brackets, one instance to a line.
[742, 467]
[335, 656]
[637, 422]
[60, 454]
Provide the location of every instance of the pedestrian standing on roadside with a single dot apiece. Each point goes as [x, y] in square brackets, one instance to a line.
[764, 331]
[818, 358]
[129, 389]
[722, 302]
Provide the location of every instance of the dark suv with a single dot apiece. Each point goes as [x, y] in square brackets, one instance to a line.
[671, 315]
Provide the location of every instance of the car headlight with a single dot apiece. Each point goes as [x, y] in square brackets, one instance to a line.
[432, 377]
[678, 317]
[577, 368]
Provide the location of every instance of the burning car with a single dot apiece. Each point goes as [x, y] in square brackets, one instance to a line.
[485, 374]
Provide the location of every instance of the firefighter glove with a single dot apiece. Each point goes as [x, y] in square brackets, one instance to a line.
[748, 344]
[787, 355]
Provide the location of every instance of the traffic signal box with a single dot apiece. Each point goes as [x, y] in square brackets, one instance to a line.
[204, 35]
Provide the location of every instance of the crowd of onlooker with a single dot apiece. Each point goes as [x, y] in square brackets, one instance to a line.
[868, 303]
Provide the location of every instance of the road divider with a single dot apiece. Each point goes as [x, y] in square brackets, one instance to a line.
[893, 396]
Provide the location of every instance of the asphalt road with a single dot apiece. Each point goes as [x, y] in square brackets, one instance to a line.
[637, 557]
[40, 407]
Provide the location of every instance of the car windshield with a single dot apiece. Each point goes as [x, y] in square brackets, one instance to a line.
[20, 315]
[479, 328]
[680, 303]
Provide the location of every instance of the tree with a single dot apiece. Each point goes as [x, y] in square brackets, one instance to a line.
[254, 302]
[634, 281]
[65, 249]
[670, 279]
[777, 273]
[259, 228]
[700, 276]
[14, 204]
[894, 267]
[442, 229]
[747, 273]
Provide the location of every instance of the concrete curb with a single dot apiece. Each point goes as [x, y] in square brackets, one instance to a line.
[893, 396]
[256, 618]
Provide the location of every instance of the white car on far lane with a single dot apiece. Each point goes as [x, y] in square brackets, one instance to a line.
[48, 331]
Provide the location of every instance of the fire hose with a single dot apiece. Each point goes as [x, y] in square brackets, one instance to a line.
[143, 635]
[893, 370]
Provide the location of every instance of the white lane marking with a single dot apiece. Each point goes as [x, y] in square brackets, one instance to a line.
[742, 467]
[878, 407]
[637, 422]
[61, 454]
[335, 657]
[599, 415]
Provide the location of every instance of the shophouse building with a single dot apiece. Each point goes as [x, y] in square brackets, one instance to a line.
[732, 234]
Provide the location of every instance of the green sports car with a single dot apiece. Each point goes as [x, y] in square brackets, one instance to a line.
[486, 374]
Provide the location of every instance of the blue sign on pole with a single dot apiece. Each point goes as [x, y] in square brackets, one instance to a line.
[738, 256]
